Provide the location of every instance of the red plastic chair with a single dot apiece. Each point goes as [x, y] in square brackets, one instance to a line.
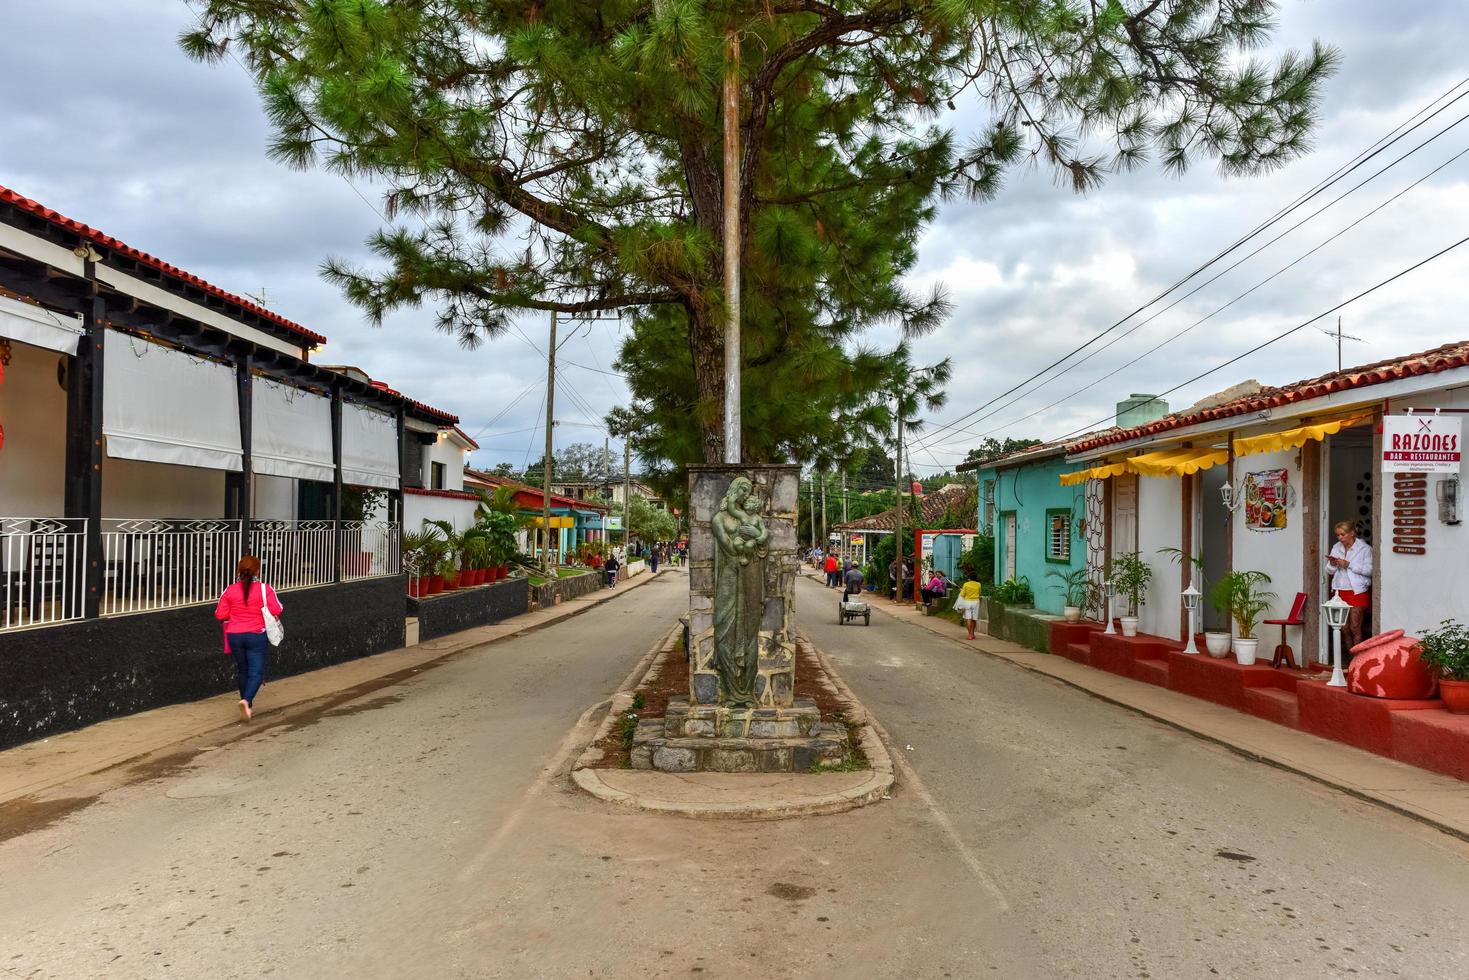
[1296, 618]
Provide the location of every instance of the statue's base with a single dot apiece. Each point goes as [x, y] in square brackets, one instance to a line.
[715, 738]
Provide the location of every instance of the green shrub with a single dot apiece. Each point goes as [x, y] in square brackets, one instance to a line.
[1446, 649]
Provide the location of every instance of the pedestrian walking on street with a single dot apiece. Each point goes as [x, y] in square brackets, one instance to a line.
[611, 569]
[967, 605]
[653, 561]
[242, 609]
[832, 579]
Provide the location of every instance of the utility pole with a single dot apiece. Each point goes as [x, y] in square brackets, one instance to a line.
[550, 416]
[844, 496]
[626, 494]
[898, 512]
[813, 510]
[825, 537]
[732, 453]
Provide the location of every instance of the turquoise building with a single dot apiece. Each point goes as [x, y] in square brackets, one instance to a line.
[1037, 524]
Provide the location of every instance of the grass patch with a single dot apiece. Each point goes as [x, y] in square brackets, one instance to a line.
[639, 701]
[847, 765]
[627, 727]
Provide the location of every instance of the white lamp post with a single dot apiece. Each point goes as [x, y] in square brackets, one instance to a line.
[1191, 599]
[1336, 617]
[1111, 588]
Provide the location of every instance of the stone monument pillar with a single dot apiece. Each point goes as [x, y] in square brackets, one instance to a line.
[743, 563]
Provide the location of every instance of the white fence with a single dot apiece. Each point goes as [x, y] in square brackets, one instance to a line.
[149, 564]
[42, 561]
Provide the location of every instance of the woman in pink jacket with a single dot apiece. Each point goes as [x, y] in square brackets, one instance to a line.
[244, 628]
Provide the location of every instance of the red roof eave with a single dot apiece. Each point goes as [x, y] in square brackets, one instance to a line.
[9, 196]
[1445, 358]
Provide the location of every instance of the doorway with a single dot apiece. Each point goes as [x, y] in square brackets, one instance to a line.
[1007, 542]
[1124, 515]
[1213, 538]
[1350, 480]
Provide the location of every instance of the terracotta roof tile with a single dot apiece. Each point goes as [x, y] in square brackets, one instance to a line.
[8, 196]
[932, 508]
[1445, 358]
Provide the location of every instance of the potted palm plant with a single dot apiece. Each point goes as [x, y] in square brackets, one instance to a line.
[431, 557]
[1076, 588]
[414, 564]
[1243, 596]
[1131, 576]
[476, 553]
[1446, 651]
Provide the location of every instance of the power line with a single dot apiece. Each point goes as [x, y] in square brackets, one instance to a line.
[1320, 187]
[1279, 337]
[1157, 347]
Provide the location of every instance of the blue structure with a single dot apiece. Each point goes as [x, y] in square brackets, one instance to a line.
[1037, 524]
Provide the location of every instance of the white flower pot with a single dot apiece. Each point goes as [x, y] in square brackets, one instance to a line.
[1129, 625]
[1217, 644]
[1245, 650]
[1072, 614]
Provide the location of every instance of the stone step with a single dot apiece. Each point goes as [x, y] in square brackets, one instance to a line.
[737, 754]
[803, 720]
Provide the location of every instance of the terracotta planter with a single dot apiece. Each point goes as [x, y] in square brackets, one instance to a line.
[451, 581]
[1455, 695]
[504, 571]
[481, 576]
[415, 587]
[1387, 666]
[433, 585]
[494, 573]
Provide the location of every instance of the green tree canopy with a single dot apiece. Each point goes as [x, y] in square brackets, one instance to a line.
[566, 155]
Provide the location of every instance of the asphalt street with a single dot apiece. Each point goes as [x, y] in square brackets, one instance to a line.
[428, 830]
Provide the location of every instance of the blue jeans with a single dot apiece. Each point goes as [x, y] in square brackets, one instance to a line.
[249, 653]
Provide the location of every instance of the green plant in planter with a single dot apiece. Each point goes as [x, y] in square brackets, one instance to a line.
[1446, 649]
[1075, 585]
[1240, 596]
[1014, 592]
[476, 552]
[431, 552]
[412, 554]
[1131, 577]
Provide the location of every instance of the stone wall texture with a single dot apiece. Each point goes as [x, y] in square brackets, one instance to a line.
[779, 486]
[450, 612]
[56, 678]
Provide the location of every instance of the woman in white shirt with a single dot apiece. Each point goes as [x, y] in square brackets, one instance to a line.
[1350, 565]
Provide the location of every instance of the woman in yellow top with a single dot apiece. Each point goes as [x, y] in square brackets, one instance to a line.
[967, 605]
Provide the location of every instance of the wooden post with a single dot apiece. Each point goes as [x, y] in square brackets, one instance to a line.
[83, 493]
[550, 422]
[732, 436]
[337, 479]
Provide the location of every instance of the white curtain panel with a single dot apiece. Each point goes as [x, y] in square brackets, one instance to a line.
[369, 447]
[41, 328]
[291, 432]
[163, 406]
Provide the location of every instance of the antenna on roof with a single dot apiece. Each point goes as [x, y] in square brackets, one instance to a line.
[261, 298]
[1339, 338]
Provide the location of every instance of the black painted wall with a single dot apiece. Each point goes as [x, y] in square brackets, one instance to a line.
[58, 678]
[450, 612]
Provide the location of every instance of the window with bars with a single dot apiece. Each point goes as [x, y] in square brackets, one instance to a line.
[989, 506]
[1058, 536]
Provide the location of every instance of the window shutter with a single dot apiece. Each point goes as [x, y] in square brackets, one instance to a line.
[412, 463]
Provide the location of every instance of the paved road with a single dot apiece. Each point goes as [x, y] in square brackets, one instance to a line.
[1126, 848]
[418, 832]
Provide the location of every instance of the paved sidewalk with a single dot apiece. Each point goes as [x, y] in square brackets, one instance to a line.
[1437, 800]
[36, 766]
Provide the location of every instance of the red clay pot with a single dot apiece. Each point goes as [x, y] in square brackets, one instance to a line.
[1455, 695]
[1387, 666]
[481, 576]
[431, 585]
[415, 587]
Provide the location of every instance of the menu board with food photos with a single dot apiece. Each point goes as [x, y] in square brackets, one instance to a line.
[1266, 495]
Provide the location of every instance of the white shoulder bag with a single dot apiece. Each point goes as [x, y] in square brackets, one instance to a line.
[274, 631]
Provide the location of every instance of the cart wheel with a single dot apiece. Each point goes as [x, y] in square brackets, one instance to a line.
[841, 617]
[867, 618]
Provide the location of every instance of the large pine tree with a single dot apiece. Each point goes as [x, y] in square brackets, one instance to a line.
[565, 155]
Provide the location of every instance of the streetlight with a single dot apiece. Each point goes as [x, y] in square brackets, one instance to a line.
[1336, 617]
[1191, 598]
[1111, 589]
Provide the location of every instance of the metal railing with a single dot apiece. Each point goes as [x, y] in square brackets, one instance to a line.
[369, 549]
[153, 563]
[295, 554]
[42, 564]
[148, 564]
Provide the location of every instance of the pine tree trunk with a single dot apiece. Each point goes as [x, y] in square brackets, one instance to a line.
[706, 344]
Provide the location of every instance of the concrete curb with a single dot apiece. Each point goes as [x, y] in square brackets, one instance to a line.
[877, 786]
[1361, 793]
[284, 710]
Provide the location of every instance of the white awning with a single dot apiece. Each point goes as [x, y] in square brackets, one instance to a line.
[42, 328]
[164, 406]
[369, 447]
[291, 432]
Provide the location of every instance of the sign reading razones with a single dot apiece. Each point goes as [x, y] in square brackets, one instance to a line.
[1422, 444]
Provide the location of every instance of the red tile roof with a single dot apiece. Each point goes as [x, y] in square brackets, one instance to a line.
[8, 196]
[1445, 358]
[931, 508]
[557, 500]
[465, 436]
[456, 494]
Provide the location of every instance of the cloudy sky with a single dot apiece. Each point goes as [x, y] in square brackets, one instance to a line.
[109, 123]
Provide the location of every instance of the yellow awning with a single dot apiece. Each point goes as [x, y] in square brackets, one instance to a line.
[1100, 472]
[1272, 442]
[555, 522]
[1177, 461]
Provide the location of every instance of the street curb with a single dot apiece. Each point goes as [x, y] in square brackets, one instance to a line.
[878, 786]
[1356, 792]
[285, 712]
